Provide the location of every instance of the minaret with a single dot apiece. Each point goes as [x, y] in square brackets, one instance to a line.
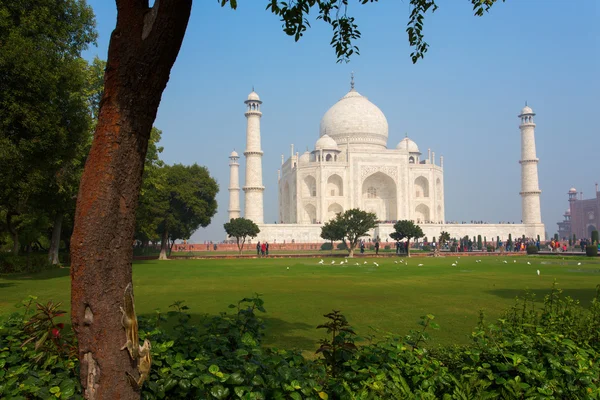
[234, 185]
[530, 190]
[254, 188]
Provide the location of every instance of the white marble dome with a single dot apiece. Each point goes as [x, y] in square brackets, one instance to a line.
[526, 110]
[572, 190]
[356, 119]
[305, 157]
[234, 154]
[408, 145]
[325, 142]
[253, 96]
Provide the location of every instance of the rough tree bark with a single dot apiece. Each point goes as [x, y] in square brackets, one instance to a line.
[55, 240]
[164, 243]
[143, 48]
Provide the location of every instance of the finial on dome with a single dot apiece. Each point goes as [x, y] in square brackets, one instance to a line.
[253, 88]
[406, 134]
[352, 80]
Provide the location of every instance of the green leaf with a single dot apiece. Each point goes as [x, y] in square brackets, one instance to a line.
[219, 392]
[213, 369]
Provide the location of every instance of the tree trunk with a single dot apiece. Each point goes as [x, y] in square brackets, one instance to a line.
[407, 247]
[351, 253]
[142, 50]
[13, 233]
[55, 240]
[164, 244]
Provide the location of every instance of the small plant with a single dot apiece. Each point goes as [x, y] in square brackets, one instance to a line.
[327, 246]
[342, 246]
[43, 329]
[591, 250]
[340, 348]
[531, 249]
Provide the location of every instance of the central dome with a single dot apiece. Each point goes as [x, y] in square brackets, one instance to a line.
[356, 119]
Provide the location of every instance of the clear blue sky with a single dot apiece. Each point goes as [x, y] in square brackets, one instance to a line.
[461, 101]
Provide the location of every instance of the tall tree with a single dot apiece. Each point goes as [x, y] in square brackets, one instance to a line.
[240, 229]
[189, 193]
[407, 230]
[153, 202]
[350, 226]
[332, 230]
[142, 51]
[41, 110]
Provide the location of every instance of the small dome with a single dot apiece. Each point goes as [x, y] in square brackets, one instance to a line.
[234, 154]
[253, 96]
[326, 143]
[526, 110]
[305, 157]
[568, 212]
[408, 145]
[572, 190]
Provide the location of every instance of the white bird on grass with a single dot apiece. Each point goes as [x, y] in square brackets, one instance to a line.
[578, 263]
[505, 262]
[341, 263]
[357, 264]
[420, 265]
[514, 261]
[332, 262]
[288, 267]
[528, 263]
[395, 262]
[365, 262]
[377, 265]
[538, 272]
[454, 264]
[321, 262]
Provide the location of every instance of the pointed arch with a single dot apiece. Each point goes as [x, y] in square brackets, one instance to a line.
[379, 195]
[310, 214]
[333, 210]
[422, 213]
[335, 185]
[421, 187]
[309, 187]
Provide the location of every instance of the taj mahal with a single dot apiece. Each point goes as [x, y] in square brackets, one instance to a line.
[351, 166]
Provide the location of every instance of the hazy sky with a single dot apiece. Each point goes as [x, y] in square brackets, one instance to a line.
[461, 101]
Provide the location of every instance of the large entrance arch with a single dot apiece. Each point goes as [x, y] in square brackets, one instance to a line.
[422, 213]
[310, 214]
[590, 229]
[379, 195]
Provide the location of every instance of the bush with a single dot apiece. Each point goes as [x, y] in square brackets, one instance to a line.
[532, 249]
[342, 246]
[426, 248]
[595, 237]
[327, 246]
[23, 263]
[591, 250]
[387, 247]
[490, 248]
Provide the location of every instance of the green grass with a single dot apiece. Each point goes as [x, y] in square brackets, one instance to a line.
[390, 297]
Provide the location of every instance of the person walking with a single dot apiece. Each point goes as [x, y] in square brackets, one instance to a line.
[267, 248]
[377, 247]
[258, 249]
[263, 249]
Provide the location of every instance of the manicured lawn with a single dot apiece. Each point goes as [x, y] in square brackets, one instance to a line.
[390, 297]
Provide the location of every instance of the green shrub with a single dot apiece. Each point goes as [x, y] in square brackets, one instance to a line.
[490, 248]
[387, 247]
[591, 250]
[595, 237]
[532, 249]
[23, 263]
[327, 246]
[342, 246]
[426, 248]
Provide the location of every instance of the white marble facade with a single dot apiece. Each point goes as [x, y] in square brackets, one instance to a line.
[351, 166]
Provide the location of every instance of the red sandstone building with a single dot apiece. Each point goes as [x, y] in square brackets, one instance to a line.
[582, 217]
